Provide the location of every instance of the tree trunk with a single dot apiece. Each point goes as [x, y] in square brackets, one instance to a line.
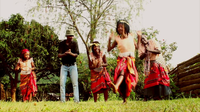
[13, 81]
[13, 90]
[2, 92]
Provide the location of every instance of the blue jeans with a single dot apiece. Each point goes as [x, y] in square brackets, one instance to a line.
[74, 78]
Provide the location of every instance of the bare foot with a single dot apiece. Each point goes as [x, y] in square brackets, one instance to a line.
[114, 88]
[157, 98]
[124, 103]
[133, 88]
[145, 99]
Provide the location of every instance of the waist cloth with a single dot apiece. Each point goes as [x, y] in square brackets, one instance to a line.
[99, 80]
[127, 66]
[157, 82]
[156, 76]
[28, 84]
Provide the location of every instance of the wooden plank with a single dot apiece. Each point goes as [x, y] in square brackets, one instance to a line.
[190, 62]
[189, 82]
[193, 66]
[186, 62]
[190, 77]
[187, 71]
[194, 71]
[190, 87]
[173, 71]
[175, 79]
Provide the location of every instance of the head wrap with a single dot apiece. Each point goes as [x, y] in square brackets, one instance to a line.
[24, 51]
[123, 21]
[96, 44]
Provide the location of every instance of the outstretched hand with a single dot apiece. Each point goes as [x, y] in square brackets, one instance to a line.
[139, 33]
[111, 35]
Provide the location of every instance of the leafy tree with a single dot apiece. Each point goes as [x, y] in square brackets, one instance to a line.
[90, 18]
[17, 34]
[95, 18]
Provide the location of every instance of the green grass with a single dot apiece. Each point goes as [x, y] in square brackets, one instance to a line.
[180, 105]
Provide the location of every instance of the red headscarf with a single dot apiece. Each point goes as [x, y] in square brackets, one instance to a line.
[24, 51]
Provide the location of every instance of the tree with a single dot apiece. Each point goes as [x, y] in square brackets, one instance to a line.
[17, 34]
[88, 17]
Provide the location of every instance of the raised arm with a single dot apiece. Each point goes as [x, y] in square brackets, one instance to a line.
[111, 45]
[139, 36]
[104, 64]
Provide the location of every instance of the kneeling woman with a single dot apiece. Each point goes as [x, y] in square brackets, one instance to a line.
[100, 79]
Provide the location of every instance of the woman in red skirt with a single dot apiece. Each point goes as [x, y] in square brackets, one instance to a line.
[126, 75]
[26, 66]
[157, 82]
[100, 79]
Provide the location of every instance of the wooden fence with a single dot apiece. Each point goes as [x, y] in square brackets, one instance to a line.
[187, 74]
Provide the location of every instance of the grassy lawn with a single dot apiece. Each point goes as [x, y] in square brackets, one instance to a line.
[180, 105]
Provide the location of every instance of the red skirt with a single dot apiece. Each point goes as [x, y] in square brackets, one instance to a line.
[100, 80]
[156, 76]
[28, 85]
[126, 65]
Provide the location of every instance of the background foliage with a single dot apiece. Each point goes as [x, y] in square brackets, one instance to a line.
[17, 34]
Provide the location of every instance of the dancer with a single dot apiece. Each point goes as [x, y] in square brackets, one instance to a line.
[157, 82]
[126, 76]
[100, 79]
[26, 66]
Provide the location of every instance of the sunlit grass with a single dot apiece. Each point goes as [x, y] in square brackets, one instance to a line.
[180, 105]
